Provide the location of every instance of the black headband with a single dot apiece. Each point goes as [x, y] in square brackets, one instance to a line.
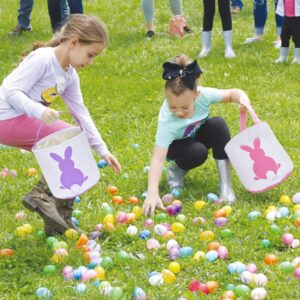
[187, 74]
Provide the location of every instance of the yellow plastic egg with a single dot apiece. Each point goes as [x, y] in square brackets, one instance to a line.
[285, 200]
[71, 234]
[296, 207]
[168, 276]
[100, 272]
[27, 228]
[174, 267]
[177, 227]
[228, 210]
[199, 255]
[20, 231]
[199, 204]
[137, 210]
[207, 235]
[109, 218]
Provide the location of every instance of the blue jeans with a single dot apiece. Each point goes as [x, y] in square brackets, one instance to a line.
[76, 6]
[260, 12]
[237, 3]
[24, 13]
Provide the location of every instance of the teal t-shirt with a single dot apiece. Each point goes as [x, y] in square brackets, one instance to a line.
[172, 128]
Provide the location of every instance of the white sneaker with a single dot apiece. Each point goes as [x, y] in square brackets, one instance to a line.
[277, 44]
[281, 60]
[229, 53]
[204, 52]
[252, 40]
[296, 60]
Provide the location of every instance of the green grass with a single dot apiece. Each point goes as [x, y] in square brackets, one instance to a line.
[124, 91]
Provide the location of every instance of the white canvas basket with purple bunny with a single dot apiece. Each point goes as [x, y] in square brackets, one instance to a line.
[67, 162]
[257, 157]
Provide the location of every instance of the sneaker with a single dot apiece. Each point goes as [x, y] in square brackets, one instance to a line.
[277, 44]
[150, 34]
[251, 40]
[235, 10]
[187, 29]
[296, 60]
[281, 60]
[19, 30]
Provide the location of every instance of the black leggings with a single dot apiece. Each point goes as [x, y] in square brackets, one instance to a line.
[190, 153]
[290, 28]
[209, 12]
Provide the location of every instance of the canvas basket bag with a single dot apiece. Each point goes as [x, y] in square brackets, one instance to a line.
[258, 158]
[67, 162]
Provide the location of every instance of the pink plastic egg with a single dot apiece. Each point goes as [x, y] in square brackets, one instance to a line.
[252, 268]
[297, 273]
[222, 252]
[287, 239]
[148, 223]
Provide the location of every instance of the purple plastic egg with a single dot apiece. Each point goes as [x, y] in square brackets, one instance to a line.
[178, 207]
[95, 235]
[198, 220]
[222, 252]
[220, 222]
[168, 198]
[171, 210]
[174, 253]
[121, 218]
[153, 244]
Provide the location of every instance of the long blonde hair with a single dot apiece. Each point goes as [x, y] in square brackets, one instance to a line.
[88, 29]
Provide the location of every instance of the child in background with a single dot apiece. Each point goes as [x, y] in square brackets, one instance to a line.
[208, 19]
[186, 132]
[28, 91]
[290, 10]
[148, 10]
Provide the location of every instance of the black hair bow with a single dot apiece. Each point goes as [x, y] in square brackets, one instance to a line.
[188, 74]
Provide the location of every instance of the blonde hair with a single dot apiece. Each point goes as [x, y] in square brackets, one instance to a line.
[88, 29]
[176, 86]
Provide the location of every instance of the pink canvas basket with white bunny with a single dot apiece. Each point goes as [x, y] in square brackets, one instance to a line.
[67, 162]
[258, 158]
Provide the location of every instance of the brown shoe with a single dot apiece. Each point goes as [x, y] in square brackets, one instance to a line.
[19, 30]
[41, 200]
[235, 10]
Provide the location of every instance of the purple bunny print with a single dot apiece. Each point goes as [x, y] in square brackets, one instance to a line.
[262, 164]
[69, 174]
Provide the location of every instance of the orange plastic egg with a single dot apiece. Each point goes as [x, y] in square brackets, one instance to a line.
[297, 222]
[271, 259]
[83, 239]
[220, 213]
[213, 246]
[31, 172]
[113, 190]
[130, 218]
[228, 295]
[212, 286]
[117, 200]
[133, 200]
[6, 252]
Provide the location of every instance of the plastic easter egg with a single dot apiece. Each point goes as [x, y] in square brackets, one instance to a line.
[161, 217]
[199, 204]
[246, 277]
[131, 230]
[254, 215]
[199, 255]
[48, 269]
[171, 243]
[177, 227]
[258, 294]
[242, 290]
[230, 287]
[228, 295]
[222, 252]
[194, 286]
[296, 198]
[174, 267]
[271, 215]
[122, 257]
[228, 210]
[148, 223]
[71, 234]
[220, 222]
[207, 235]
[236, 267]
[211, 255]
[80, 288]
[31, 172]
[212, 286]
[102, 164]
[203, 288]
[213, 246]
[121, 217]
[89, 275]
[252, 268]
[168, 235]
[153, 244]
[109, 218]
[6, 252]
[260, 280]
[287, 239]
[181, 218]
[117, 200]
[178, 206]
[20, 215]
[174, 253]
[20, 231]
[295, 243]
[107, 262]
[160, 229]
[185, 252]
[77, 273]
[27, 228]
[66, 270]
[296, 262]
[275, 228]
[285, 200]
[43, 293]
[226, 233]
[211, 197]
[146, 169]
[77, 199]
[198, 220]
[265, 244]
[130, 218]
[297, 273]
[100, 272]
[112, 190]
[297, 222]
[139, 294]
[171, 210]
[156, 279]
[282, 212]
[175, 192]
[60, 245]
[137, 210]
[133, 200]
[167, 199]
[220, 213]
[105, 288]
[145, 234]
[116, 293]
[168, 276]
[106, 209]
[286, 267]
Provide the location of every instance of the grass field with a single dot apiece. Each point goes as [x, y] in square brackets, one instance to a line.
[124, 91]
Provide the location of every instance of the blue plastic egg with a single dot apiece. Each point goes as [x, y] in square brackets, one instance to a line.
[254, 214]
[145, 234]
[139, 294]
[75, 221]
[185, 252]
[77, 199]
[211, 255]
[282, 212]
[80, 288]
[43, 293]
[175, 193]
[102, 164]
[212, 197]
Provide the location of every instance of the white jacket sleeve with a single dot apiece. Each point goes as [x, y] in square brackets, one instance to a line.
[17, 84]
[73, 98]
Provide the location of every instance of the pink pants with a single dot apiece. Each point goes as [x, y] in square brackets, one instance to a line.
[23, 131]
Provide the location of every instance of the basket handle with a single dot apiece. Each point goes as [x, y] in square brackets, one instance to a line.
[243, 116]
